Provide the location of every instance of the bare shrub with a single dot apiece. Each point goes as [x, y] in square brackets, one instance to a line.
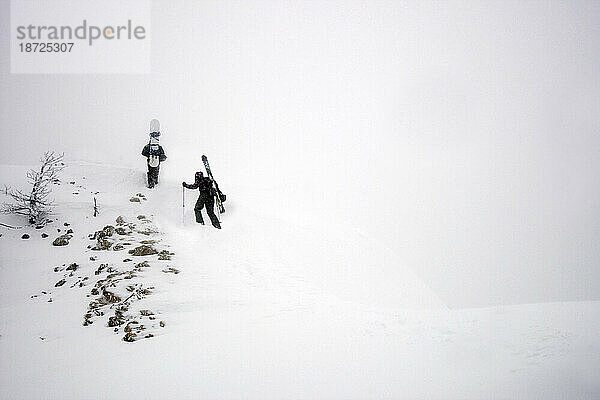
[36, 205]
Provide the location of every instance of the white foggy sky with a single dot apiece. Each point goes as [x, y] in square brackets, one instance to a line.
[464, 135]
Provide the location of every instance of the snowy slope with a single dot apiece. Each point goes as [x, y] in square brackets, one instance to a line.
[261, 309]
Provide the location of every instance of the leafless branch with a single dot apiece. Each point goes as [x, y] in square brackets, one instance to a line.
[37, 204]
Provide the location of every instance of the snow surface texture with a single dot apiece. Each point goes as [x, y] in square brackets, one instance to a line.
[263, 309]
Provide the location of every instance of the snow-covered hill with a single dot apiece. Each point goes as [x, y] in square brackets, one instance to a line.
[262, 309]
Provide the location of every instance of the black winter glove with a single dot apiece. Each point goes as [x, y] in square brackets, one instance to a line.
[183, 184]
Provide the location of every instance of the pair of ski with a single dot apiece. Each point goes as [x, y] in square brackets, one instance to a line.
[215, 185]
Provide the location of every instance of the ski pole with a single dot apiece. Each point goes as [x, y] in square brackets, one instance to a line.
[183, 208]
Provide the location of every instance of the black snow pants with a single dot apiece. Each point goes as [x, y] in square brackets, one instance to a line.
[209, 203]
[152, 176]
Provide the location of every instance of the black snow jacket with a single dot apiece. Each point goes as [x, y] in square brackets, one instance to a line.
[161, 153]
[204, 185]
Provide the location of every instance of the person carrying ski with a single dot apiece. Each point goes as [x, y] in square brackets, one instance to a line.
[206, 198]
[154, 153]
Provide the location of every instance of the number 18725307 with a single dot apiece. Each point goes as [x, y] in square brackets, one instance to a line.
[37, 47]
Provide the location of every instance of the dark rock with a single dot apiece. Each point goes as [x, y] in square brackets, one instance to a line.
[116, 320]
[72, 267]
[129, 337]
[165, 255]
[128, 327]
[94, 291]
[120, 220]
[92, 258]
[127, 260]
[107, 231]
[162, 324]
[102, 244]
[121, 231]
[110, 297]
[60, 283]
[118, 247]
[143, 250]
[141, 217]
[62, 240]
[66, 224]
[44, 235]
[100, 268]
[25, 236]
[143, 264]
[69, 231]
[130, 275]
[171, 270]
[146, 313]
[134, 200]
[147, 232]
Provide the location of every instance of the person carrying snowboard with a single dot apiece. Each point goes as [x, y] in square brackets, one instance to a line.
[206, 198]
[154, 153]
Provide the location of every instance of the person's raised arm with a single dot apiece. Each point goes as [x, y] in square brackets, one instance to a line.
[193, 186]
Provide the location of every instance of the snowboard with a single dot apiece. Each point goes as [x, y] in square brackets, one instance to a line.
[153, 159]
[216, 186]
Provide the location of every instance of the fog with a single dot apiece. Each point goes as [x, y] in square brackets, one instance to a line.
[462, 135]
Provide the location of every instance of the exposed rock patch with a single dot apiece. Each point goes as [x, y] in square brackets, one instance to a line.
[165, 255]
[171, 270]
[143, 250]
[121, 231]
[115, 289]
[102, 244]
[62, 240]
[118, 247]
[72, 267]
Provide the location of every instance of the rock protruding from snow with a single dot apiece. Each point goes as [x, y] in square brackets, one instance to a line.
[62, 240]
[143, 250]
